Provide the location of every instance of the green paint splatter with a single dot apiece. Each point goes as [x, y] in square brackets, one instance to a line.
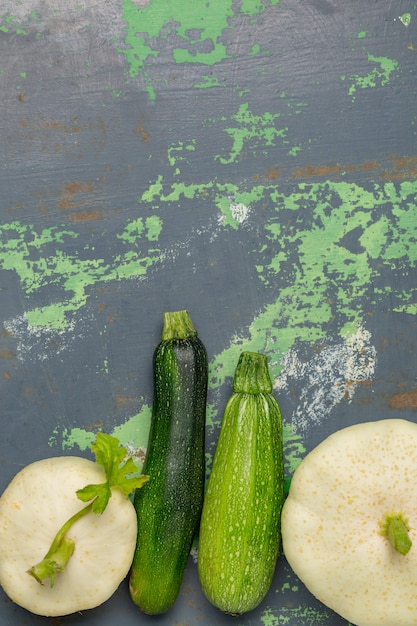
[27, 251]
[252, 7]
[258, 129]
[208, 82]
[179, 153]
[411, 308]
[377, 77]
[406, 19]
[199, 25]
[12, 24]
[133, 434]
[305, 615]
[196, 28]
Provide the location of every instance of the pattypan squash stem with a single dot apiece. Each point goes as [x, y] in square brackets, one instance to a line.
[395, 528]
[60, 551]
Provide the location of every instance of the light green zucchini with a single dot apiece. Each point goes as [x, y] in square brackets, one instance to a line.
[240, 535]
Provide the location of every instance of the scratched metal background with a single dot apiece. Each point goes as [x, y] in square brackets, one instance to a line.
[132, 184]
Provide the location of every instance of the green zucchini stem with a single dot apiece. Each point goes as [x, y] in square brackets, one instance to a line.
[395, 528]
[60, 551]
[178, 325]
[252, 374]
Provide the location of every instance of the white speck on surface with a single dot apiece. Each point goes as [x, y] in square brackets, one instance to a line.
[328, 377]
[239, 211]
[38, 343]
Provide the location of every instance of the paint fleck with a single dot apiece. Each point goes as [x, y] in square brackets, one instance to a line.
[300, 614]
[405, 19]
[133, 434]
[379, 76]
[26, 250]
[196, 30]
[251, 128]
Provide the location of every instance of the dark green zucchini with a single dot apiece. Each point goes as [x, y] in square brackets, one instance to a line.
[169, 509]
[240, 524]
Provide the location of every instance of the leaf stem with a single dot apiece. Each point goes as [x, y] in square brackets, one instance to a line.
[60, 551]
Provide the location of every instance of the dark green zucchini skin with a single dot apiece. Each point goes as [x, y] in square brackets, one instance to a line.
[169, 509]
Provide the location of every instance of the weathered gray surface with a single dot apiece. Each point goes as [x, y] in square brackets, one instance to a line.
[252, 162]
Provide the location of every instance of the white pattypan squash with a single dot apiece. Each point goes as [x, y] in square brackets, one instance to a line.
[349, 524]
[39, 499]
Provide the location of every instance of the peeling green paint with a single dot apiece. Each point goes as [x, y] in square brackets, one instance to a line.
[305, 615]
[208, 81]
[73, 271]
[133, 433]
[192, 23]
[257, 132]
[250, 127]
[379, 76]
[196, 30]
[406, 19]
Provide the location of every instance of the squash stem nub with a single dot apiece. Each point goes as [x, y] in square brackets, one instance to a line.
[252, 375]
[395, 528]
[178, 325]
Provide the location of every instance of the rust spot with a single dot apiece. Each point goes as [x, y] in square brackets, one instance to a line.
[75, 187]
[24, 123]
[7, 375]
[273, 173]
[72, 189]
[140, 130]
[369, 166]
[321, 171]
[403, 401]
[123, 400]
[318, 170]
[66, 128]
[87, 216]
[7, 354]
[21, 97]
[404, 168]
[98, 425]
[366, 382]
[66, 204]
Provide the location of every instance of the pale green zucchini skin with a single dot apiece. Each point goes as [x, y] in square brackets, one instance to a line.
[169, 510]
[240, 525]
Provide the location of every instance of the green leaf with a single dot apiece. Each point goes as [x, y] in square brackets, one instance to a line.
[121, 472]
[100, 494]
